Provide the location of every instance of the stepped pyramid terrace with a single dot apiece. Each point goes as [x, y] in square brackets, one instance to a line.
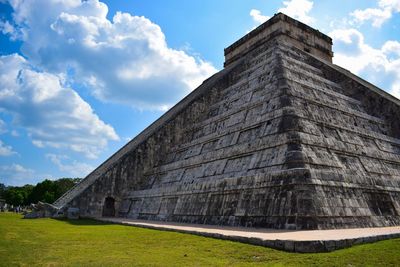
[280, 138]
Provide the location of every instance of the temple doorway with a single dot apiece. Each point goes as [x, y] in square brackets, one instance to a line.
[109, 207]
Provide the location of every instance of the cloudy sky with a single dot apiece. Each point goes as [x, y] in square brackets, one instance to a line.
[79, 79]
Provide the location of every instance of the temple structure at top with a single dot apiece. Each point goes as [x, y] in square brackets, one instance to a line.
[290, 31]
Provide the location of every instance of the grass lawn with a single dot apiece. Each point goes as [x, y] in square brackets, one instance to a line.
[49, 242]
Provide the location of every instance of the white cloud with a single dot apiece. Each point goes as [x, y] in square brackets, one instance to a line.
[378, 15]
[7, 29]
[74, 169]
[391, 48]
[123, 60]
[257, 16]
[298, 9]
[16, 174]
[6, 150]
[3, 128]
[378, 66]
[14, 133]
[53, 114]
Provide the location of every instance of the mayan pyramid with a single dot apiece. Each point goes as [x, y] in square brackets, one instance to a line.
[280, 138]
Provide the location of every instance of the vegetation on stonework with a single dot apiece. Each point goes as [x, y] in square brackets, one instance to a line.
[51, 242]
[46, 191]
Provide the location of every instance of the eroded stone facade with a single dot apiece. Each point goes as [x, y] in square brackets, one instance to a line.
[278, 139]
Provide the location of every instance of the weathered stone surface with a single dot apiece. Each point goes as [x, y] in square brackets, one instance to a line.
[42, 210]
[280, 138]
[73, 213]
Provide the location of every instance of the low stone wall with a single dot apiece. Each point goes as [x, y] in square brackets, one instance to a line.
[300, 246]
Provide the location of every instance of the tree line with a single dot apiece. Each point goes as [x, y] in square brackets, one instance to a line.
[47, 191]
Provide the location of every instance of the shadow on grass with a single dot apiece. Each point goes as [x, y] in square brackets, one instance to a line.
[84, 222]
[81, 221]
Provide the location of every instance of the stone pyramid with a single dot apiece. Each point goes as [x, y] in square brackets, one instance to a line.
[280, 138]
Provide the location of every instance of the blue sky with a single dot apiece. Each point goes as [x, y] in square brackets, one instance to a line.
[80, 79]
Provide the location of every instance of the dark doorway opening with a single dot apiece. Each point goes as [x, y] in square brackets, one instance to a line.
[109, 207]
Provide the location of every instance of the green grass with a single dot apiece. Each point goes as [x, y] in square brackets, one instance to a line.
[49, 242]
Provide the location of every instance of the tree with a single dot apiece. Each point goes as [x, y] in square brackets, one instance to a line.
[2, 190]
[27, 191]
[64, 184]
[48, 197]
[14, 196]
[46, 191]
